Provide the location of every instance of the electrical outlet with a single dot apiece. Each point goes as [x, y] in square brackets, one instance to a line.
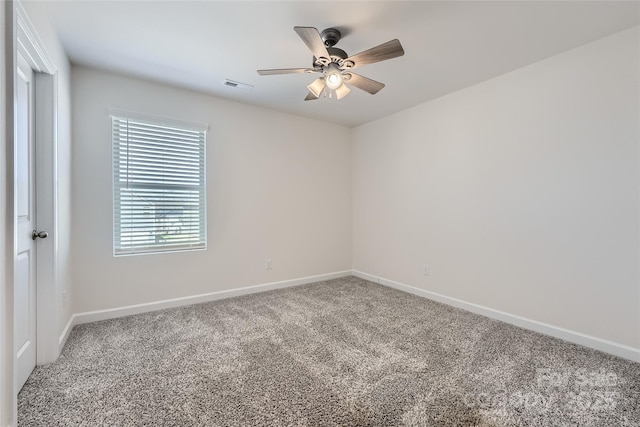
[267, 264]
[426, 270]
[65, 299]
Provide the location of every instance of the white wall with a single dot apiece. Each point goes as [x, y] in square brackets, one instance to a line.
[6, 353]
[520, 193]
[277, 187]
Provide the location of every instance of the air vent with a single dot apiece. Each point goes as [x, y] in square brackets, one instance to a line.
[237, 85]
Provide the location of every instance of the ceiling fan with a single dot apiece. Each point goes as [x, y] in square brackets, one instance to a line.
[335, 65]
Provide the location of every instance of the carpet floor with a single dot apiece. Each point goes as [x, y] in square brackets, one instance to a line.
[344, 352]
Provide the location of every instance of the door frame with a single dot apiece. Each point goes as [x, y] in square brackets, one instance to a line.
[21, 37]
[45, 111]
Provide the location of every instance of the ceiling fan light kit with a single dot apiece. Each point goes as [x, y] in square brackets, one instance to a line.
[335, 65]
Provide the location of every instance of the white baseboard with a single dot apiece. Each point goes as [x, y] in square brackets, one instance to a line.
[112, 313]
[533, 325]
[65, 333]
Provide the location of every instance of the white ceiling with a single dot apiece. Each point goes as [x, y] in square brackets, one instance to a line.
[449, 45]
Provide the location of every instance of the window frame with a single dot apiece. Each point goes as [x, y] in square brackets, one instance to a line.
[120, 115]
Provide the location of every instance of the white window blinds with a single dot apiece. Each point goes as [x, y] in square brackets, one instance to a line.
[158, 186]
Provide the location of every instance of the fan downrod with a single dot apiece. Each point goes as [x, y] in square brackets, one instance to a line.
[330, 36]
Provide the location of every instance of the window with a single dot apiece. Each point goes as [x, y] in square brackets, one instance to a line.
[158, 186]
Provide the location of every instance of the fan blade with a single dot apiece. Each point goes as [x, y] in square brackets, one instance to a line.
[342, 91]
[311, 37]
[388, 50]
[310, 97]
[316, 87]
[365, 84]
[285, 71]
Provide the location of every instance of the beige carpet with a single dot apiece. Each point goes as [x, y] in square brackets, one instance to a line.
[344, 352]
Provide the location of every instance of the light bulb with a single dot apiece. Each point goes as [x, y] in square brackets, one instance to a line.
[334, 79]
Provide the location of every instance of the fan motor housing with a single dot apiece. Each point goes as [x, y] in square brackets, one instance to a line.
[335, 55]
[334, 51]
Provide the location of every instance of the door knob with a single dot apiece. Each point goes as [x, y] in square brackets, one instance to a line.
[42, 234]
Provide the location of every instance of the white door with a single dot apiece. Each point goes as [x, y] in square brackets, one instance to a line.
[25, 269]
